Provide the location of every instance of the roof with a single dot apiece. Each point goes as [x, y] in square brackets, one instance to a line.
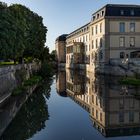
[61, 37]
[78, 29]
[114, 10]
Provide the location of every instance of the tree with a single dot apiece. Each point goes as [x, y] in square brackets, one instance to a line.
[53, 55]
[22, 33]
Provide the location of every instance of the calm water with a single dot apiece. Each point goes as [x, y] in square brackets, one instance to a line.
[78, 106]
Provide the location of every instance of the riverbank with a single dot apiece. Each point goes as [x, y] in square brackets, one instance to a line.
[20, 102]
[10, 108]
[13, 76]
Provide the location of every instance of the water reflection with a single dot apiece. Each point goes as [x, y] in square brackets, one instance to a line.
[32, 116]
[114, 109]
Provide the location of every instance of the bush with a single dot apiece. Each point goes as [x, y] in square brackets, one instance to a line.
[46, 70]
[32, 81]
[18, 90]
[130, 81]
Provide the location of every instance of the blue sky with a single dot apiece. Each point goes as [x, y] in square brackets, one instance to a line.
[64, 16]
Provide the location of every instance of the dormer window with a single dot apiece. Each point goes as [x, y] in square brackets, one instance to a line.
[98, 16]
[132, 12]
[102, 13]
[93, 18]
[122, 12]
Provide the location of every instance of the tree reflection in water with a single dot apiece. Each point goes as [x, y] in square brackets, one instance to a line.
[32, 116]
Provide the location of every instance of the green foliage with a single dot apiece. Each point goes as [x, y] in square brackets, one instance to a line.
[32, 81]
[21, 75]
[45, 54]
[6, 63]
[53, 55]
[130, 81]
[22, 33]
[18, 90]
[28, 60]
[46, 70]
[30, 119]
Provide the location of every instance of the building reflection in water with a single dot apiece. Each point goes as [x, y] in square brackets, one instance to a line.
[114, 109]
[61, 83]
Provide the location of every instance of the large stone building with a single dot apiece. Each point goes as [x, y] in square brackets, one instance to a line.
[110, 38]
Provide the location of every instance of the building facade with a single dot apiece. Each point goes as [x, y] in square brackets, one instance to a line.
[110, 38]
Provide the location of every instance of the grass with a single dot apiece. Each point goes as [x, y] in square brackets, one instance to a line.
[7, 63]
[130, 81]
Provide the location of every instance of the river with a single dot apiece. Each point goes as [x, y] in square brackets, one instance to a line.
[77, 105]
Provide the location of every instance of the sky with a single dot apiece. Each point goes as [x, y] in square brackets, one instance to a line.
[64, 16]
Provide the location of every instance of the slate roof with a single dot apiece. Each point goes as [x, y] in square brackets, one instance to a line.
[61, 37]
[128, 10]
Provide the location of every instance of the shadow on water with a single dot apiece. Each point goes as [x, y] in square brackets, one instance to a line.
[32, 115]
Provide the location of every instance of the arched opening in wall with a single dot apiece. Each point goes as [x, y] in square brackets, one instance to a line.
[135, 54]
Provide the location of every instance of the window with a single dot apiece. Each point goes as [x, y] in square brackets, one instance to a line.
[122, 12]
[100, 27]
[122, 27]
[122, 41]
[67, 59]
[93, 99]
[92, 30]
[95, 56]
[131, 103]
[101, 117]
[121, 103]
[92, 44]
[84, 29]
[131, 116]
[132, 27]
[122, 54]
[92, 56]
[98, 15]
[83, 38]
[96, 101]
[121, 117]
[101, 42]
[96, 29]
[95, 84]
[93, 18]
[102, 13]
[86, 48]
[97, 114]
[86, 38]
[93, 111]
[132, 41]
[135, 54]
[96, 43]
[132, 12]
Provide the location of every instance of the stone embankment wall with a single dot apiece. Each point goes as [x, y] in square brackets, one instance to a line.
[12, 76]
